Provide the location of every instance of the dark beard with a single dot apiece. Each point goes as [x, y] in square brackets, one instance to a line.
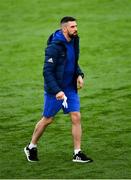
[72, 35]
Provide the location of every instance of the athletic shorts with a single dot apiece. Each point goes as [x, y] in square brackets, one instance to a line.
[52, 105]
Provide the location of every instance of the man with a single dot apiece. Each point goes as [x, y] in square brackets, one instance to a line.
[62, 78]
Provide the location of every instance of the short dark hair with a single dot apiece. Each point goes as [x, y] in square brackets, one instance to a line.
[67, 19]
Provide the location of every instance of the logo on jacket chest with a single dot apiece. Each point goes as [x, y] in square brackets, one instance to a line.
[50, 60]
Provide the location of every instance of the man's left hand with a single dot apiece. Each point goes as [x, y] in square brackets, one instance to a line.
[80, 82]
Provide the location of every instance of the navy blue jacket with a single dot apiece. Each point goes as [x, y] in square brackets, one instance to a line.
[53, 70]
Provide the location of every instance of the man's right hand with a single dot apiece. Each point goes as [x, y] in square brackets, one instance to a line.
[60, 95]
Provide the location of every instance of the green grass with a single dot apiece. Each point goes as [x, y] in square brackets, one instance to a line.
[105, 31]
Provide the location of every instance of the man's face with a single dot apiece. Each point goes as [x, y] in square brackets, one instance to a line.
[71, 29]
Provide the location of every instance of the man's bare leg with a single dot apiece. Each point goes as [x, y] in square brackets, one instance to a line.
[31, 150]
[40, 128]
[76, 129]
[78, 156]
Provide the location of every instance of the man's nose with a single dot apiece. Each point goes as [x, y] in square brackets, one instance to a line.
[75, 28]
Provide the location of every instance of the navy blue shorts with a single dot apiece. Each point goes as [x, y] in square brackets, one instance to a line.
[52, 105]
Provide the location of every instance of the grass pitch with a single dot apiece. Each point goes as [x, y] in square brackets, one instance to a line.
[105, 31]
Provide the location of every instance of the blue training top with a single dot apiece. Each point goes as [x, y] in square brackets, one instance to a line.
[69, 69]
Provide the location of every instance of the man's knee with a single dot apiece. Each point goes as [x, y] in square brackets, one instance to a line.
[75, 117]
[46, 121]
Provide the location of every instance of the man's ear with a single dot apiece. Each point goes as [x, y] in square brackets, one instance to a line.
[64, 29]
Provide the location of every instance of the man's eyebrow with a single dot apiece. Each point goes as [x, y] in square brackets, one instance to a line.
[73, 25]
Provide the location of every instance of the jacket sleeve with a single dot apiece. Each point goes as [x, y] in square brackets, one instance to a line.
[49, 69]
[79, 71]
